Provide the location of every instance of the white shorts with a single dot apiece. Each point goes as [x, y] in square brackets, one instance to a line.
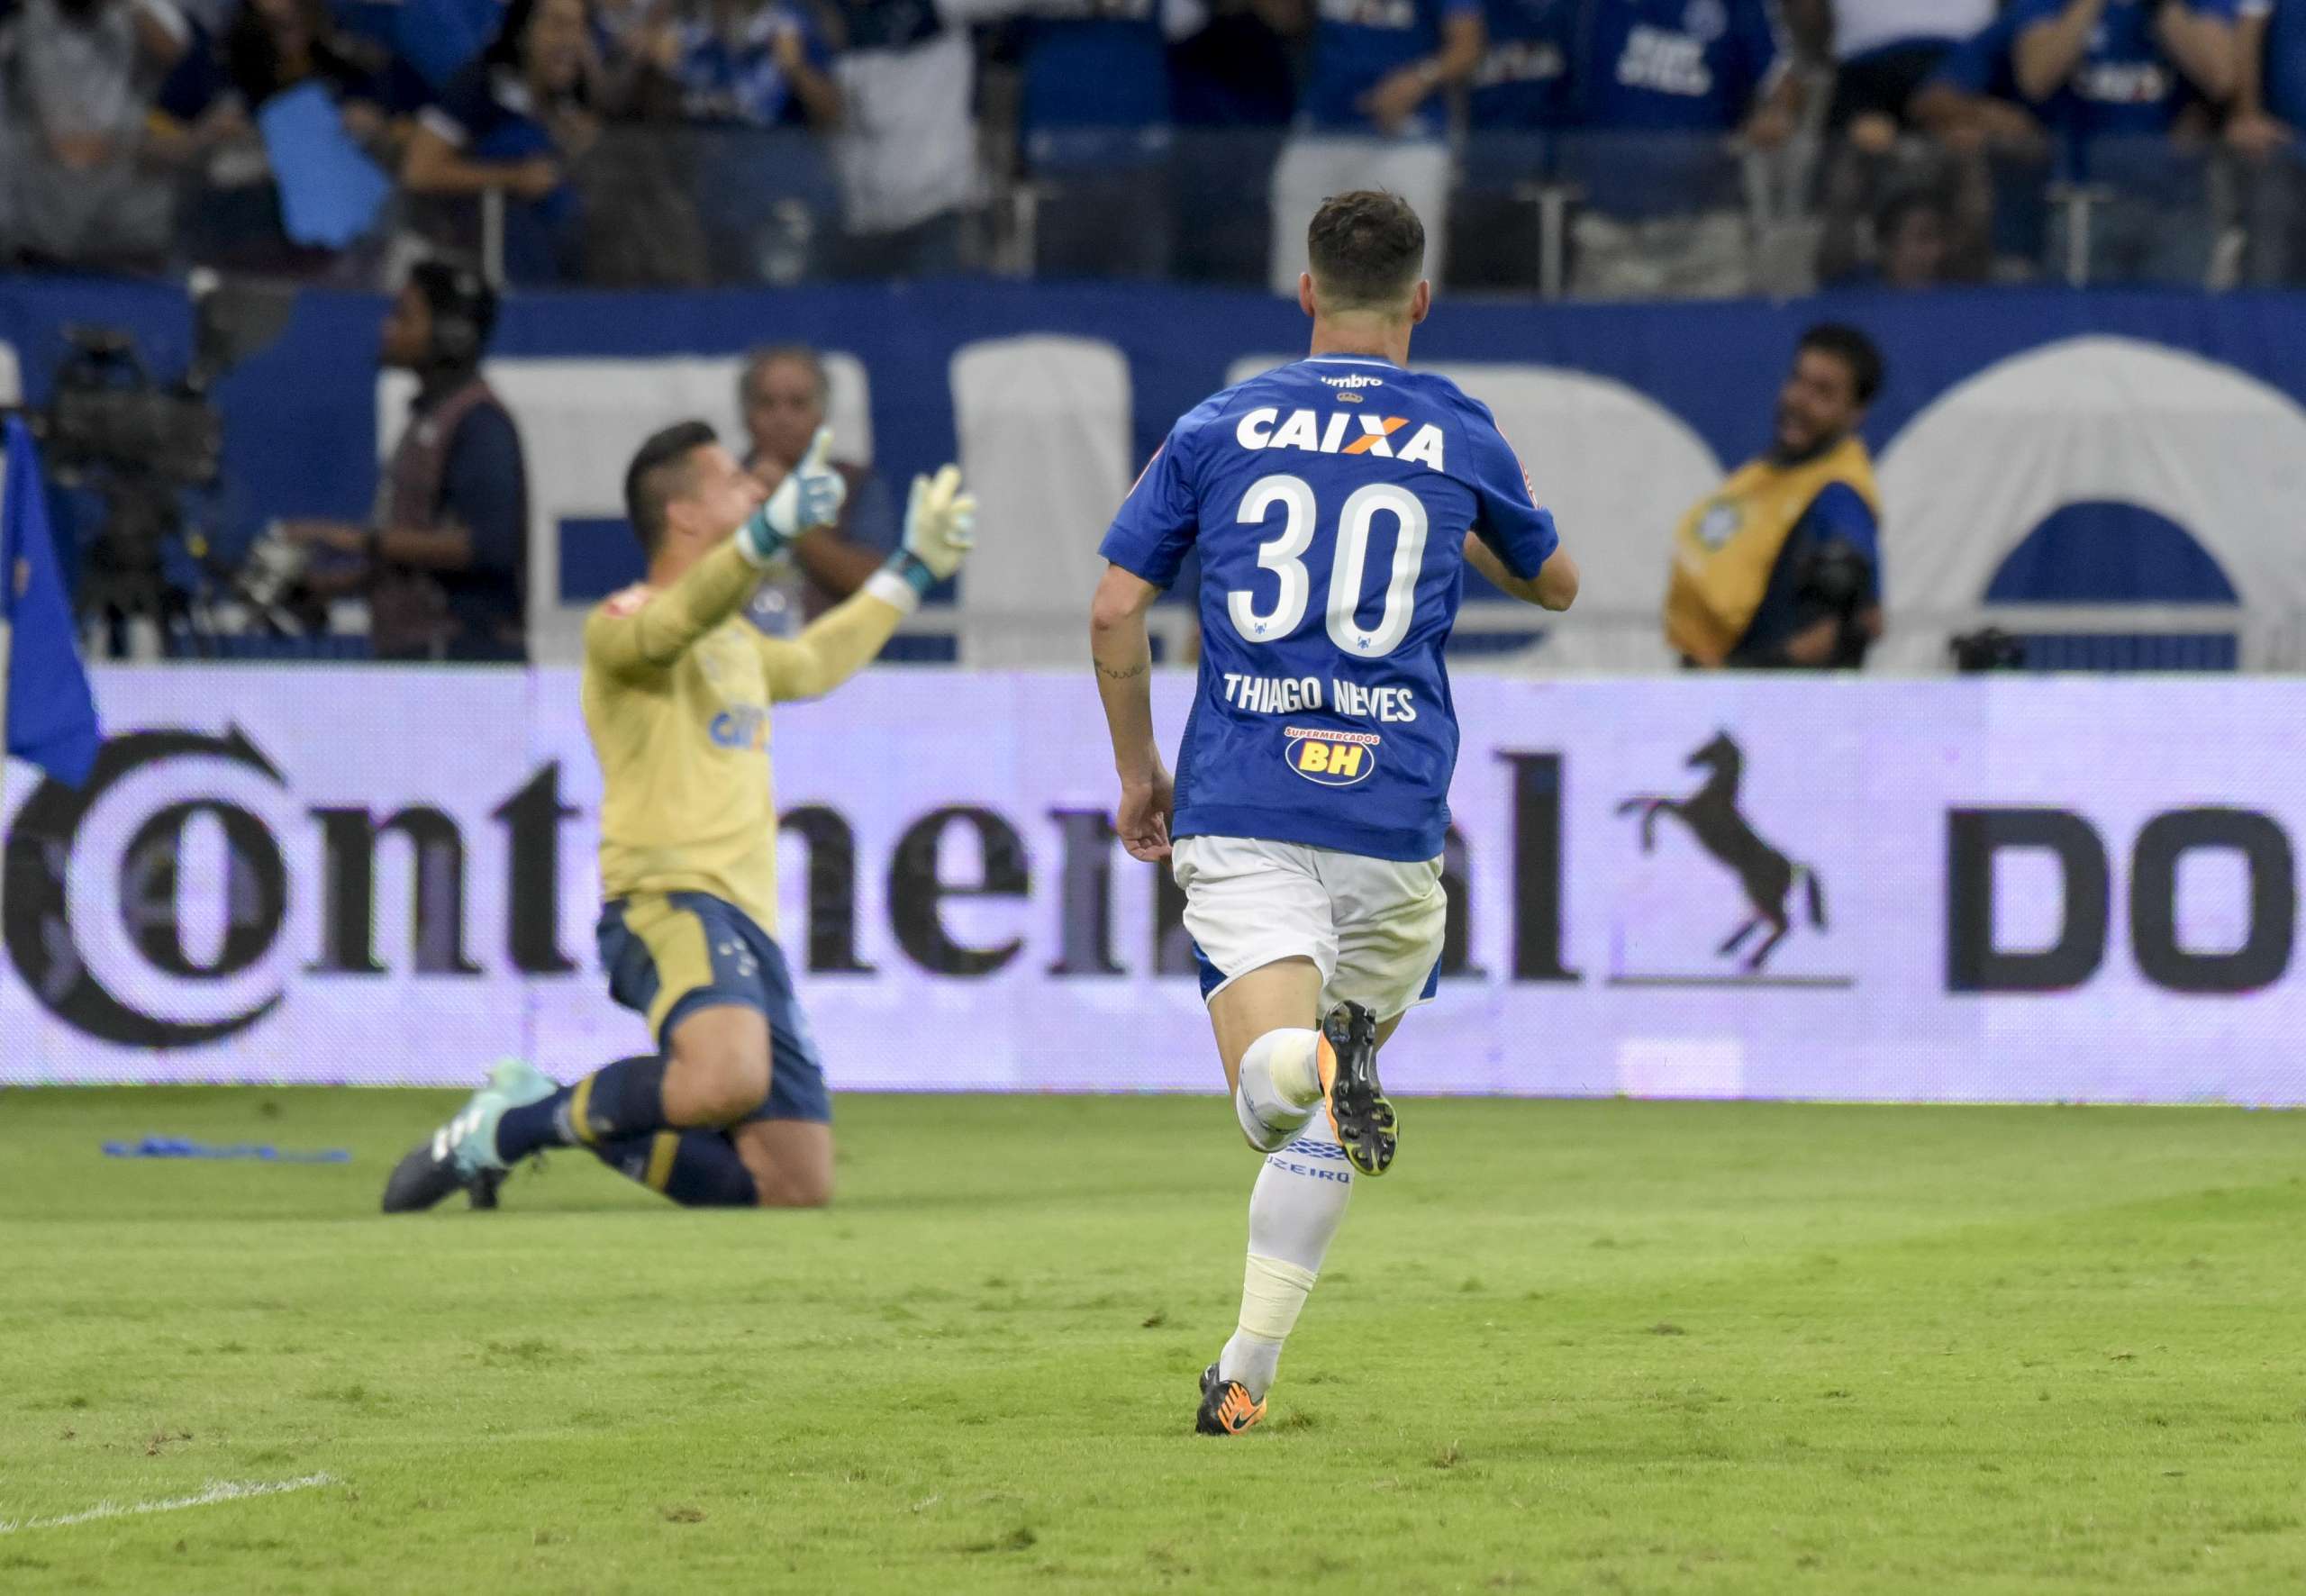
[1373, 926]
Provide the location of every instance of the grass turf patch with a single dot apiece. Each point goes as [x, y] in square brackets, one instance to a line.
[1574, 1347]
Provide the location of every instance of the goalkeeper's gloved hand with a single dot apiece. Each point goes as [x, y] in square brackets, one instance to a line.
[939, 530]
[811, 495]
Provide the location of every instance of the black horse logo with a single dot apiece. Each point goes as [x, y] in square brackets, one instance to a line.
[1711, 815]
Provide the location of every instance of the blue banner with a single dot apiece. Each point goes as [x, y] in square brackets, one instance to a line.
[51, 714]
[302, 429]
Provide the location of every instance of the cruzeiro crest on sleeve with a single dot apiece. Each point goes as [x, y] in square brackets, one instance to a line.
[1720, 523]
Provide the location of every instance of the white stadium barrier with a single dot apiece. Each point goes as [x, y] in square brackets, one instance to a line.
[1044, 426]
[1046, 433]
[2068, 889]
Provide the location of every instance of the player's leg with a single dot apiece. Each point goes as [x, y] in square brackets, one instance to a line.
[789, 1161]
[692, 965]
[786, 1142]
[1388, 922]
[1260, 924]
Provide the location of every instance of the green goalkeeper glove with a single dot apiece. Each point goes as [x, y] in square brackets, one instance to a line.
[939, 530]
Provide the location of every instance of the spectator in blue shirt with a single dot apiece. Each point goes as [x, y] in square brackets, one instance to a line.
[1233, 69]
[1971, 101]
[1685, 65]
[759, 66]
[1520, 96]
[513, 122]
[1663, 89]
[2117, 80]
[1523, 83]
[1994, 146]
[1372, 116]
[1096, 132]
[2122, 68]
[2269, 108]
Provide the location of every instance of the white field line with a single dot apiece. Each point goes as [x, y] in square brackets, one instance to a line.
[221, 1490]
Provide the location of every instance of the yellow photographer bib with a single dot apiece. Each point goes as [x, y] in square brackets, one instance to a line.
[1728, 544]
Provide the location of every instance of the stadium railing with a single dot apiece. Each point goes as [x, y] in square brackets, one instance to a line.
[1551, 215]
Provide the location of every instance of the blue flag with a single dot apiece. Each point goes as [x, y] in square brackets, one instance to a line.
[51, 714]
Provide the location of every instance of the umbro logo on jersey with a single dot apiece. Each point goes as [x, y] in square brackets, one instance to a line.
[1343, 432]
[1357, 380]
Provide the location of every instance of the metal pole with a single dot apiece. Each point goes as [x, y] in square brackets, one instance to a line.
[2078, 237]
[492, 236]
[7, 644]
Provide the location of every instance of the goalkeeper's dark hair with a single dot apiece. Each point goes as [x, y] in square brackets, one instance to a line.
[1367, 250]
[659, 474]
[1854, 349]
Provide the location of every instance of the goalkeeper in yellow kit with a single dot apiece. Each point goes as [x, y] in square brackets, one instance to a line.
[730, 1109]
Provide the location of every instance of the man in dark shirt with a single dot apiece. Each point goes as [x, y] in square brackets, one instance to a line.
[444, 562]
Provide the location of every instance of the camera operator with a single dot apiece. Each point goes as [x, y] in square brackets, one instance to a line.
[444, 566]
[1781, 568]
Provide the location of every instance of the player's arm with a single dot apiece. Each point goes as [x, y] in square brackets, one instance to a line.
[1122, 652]
[1513, 541]
[1554, 587]
[939, 530]
[1145, 546]
[639, 631]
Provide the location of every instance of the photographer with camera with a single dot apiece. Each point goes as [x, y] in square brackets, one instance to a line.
[444, 564]
[1781, 568]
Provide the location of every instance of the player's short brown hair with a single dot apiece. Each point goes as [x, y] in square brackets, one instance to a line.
[1366, 250]
[659, 474]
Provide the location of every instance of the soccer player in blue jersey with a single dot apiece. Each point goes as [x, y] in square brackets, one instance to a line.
[1336, 504]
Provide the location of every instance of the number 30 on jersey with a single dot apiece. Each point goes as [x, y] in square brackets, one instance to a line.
[1347, 568]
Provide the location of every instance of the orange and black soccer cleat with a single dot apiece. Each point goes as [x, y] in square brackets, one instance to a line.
[1227, 1408]
[1360, 1111]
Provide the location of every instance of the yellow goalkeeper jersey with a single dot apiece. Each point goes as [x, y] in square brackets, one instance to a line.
[677, 689]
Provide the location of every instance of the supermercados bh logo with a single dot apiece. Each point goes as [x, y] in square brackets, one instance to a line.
[132, 932]
[1778, 894]
[1331, 759]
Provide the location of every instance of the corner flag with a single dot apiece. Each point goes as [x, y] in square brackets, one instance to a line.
[48, 712]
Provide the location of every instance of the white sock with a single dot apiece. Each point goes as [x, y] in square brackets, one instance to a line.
[1280, 1085]
[1294, 1208]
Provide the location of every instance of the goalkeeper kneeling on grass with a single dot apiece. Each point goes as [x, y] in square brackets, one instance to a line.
[730, 1109]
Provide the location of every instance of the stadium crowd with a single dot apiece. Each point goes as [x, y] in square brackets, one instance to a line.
[1613, 148]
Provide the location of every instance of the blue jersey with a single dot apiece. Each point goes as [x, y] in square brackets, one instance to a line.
[1329, 500]
[1981, 65]
[1524, 78]
[2286, 81]
[2126, 85]
[1359, 43]
[1694, 66]
[1094, 64]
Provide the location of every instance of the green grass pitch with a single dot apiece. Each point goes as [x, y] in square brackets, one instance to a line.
[1605, 1347]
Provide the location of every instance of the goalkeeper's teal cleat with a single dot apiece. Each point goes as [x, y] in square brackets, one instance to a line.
[462, 1156]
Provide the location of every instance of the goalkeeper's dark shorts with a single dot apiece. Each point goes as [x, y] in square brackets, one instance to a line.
[669, 953]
